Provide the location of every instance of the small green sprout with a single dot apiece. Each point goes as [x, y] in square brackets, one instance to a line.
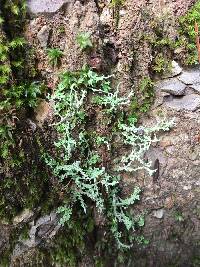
[17, 42]
[179, 216]
[1, 20]
[115, 3]
[54, 55]
[83, 39]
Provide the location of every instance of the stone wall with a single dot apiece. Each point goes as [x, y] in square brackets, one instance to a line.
[171, 197]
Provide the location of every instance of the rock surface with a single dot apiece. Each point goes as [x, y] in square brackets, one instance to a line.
[175, 70]
[43, 36]
[45, 6]
[23, 217]
[44, 228]
[178, 175]
[172, 86]
[188, 102]
[190, 77]
[196, 87]
[158, 213]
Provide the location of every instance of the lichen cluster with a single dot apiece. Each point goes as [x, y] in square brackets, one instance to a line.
[79, 162]
[92, 125]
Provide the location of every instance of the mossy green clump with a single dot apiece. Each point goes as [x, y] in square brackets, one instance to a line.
[196, 261]
[159, 39]
[161, 56]
[54, 55]
[143, 99]
[12, 46]
[116, 5]
[187, 35]
[17, 91]
[161, 64]
[84, 40]
[69, 246]
[19, 95]
[167, 46]
[23, 187]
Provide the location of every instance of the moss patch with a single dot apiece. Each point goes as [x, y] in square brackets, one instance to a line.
[187, 35]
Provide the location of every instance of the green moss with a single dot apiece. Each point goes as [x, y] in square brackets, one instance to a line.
[117, 2]
[187, 34]
[116, 5]
[161, 55]
[84, 40]
[18, 92]
[61, 29]
[6, 254]
[161, 64]
[196, 261]
[54, 55]
[24, 233]
[143, 99]
[27, 185]
[182, 48]
[179, 216]
[161, 43]
[31, 70]
[13, 13]
[68, 247]
[66, 251]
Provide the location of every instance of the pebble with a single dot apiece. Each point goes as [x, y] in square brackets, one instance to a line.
[159, 214]
[175, 70]
[45, 6]
[190, 77]
[43, 36]
[172, 86]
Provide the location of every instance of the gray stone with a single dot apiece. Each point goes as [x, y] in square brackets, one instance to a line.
[196, 87]
[46, 225]
[43, 36]
[32, 125]
[188, 102]
[23, 217]
[172, 86]
[190, 77]
[45, 6]
[175, 70]
[44, 228]
[43, 220]
[158, 213]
